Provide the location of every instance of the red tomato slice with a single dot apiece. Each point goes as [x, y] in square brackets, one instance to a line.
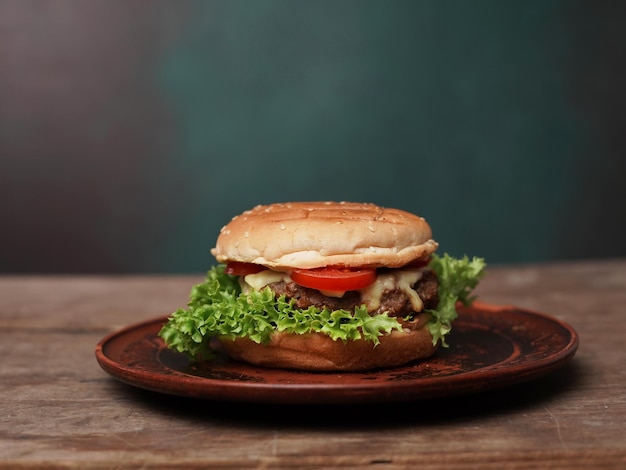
[238, 268]
[334, 278]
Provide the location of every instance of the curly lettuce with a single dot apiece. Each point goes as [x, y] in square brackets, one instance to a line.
[218, 307]
[457, 279]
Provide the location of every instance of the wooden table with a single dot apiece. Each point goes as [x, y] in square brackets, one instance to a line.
[58, 408]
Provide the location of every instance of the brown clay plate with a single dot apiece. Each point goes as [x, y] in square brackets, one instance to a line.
[490, 347]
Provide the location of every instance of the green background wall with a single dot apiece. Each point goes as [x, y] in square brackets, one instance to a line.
[130, 132]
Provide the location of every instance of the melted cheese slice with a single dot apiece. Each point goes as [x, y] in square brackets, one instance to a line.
[400, 279]
[261, 279]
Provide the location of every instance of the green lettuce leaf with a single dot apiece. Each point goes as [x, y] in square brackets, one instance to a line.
[217, 307]
[457, 278]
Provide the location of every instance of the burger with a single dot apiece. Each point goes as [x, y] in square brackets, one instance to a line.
[324, 286]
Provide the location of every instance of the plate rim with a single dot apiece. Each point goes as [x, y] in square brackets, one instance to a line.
[336, 392]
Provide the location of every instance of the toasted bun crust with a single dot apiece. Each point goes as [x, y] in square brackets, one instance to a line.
[316, 234]
[318, 352]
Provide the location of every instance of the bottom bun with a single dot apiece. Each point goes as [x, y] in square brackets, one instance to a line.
[318, 352]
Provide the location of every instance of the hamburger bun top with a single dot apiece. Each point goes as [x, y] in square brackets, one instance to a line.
[317, 234]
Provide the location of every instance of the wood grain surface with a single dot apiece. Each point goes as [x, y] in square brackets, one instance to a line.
[58, 409]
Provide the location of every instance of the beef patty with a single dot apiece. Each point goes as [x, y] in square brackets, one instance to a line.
[394, 302]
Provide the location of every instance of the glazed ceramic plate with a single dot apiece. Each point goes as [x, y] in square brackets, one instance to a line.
[490, 347]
